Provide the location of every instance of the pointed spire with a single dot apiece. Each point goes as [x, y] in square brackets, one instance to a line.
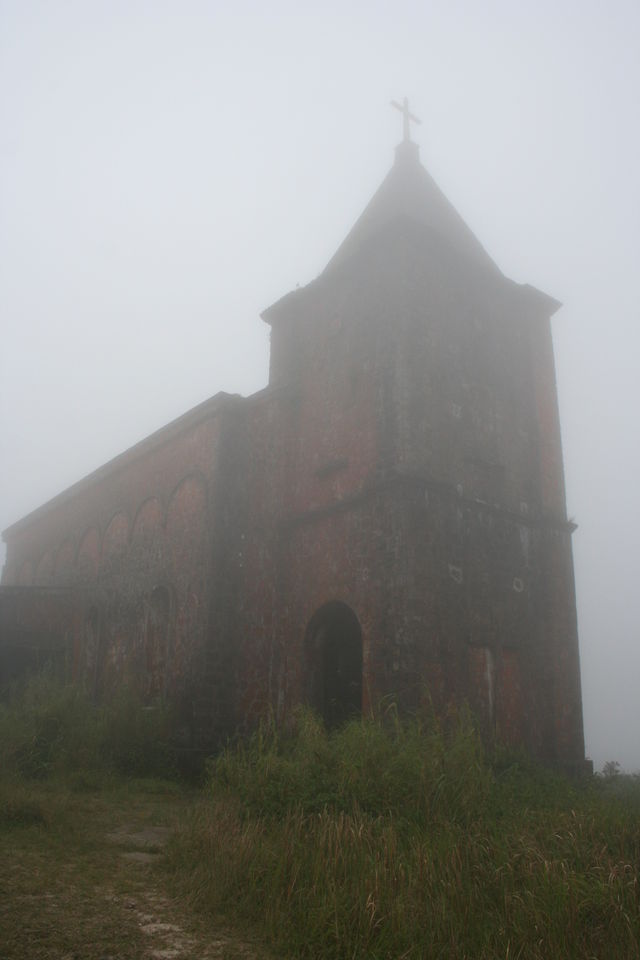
[408, 191]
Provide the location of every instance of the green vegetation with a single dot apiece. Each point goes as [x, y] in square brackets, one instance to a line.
[66, 889]
[385, 839]
[391, 839]
[84, 816]
[49, 729]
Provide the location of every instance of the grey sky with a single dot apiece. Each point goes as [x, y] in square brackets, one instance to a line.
[170, 169]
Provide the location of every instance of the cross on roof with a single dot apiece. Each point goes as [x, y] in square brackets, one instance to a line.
[407, 117]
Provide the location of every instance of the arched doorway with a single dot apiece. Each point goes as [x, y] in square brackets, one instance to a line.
[333, 650]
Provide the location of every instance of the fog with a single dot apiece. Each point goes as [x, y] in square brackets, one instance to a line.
[169, 169]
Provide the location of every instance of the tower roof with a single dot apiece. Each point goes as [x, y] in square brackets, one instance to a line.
[407, 198]
[410, 192]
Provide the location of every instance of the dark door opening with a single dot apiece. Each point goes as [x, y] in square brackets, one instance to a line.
[334, 663]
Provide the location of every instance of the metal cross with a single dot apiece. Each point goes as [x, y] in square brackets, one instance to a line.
[406, 116]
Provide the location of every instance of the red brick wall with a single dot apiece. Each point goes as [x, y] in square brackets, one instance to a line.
[142, 523]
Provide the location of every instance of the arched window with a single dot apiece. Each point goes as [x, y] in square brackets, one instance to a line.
[92, 650]
[333, 647]
[157, 640]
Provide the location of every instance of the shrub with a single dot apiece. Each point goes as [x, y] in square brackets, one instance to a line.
[407, 768]
[50, 728]
[398, 838]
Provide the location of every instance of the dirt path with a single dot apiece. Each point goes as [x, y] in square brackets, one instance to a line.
[84, 883]
[155, 913]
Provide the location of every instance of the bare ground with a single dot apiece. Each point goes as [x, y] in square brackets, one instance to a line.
[86, 885]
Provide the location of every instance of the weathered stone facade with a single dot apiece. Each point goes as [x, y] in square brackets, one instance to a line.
[386, 518]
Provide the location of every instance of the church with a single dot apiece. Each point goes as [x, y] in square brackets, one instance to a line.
[384, 521]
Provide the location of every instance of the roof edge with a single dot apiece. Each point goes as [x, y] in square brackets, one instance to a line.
[538, 298]
[203, 411]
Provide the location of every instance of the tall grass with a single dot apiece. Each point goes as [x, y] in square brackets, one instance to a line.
[385, 839]
[400, 839]
[50, 729]
[405, 769]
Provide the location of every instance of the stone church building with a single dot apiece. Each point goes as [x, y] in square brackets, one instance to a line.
[385, 519]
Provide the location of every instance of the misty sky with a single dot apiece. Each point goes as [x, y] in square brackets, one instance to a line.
[169, 169]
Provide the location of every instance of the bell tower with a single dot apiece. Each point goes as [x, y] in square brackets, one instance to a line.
[421, 479]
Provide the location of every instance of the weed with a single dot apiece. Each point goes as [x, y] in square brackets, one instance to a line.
[386, 838]
[52, 729]
[401, 839]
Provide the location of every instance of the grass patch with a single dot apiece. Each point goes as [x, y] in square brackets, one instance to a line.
[393, 839]
[49, 729]
[88, 795]
[21, 806]
[404, 769]
[385, 839]
[65, 889]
